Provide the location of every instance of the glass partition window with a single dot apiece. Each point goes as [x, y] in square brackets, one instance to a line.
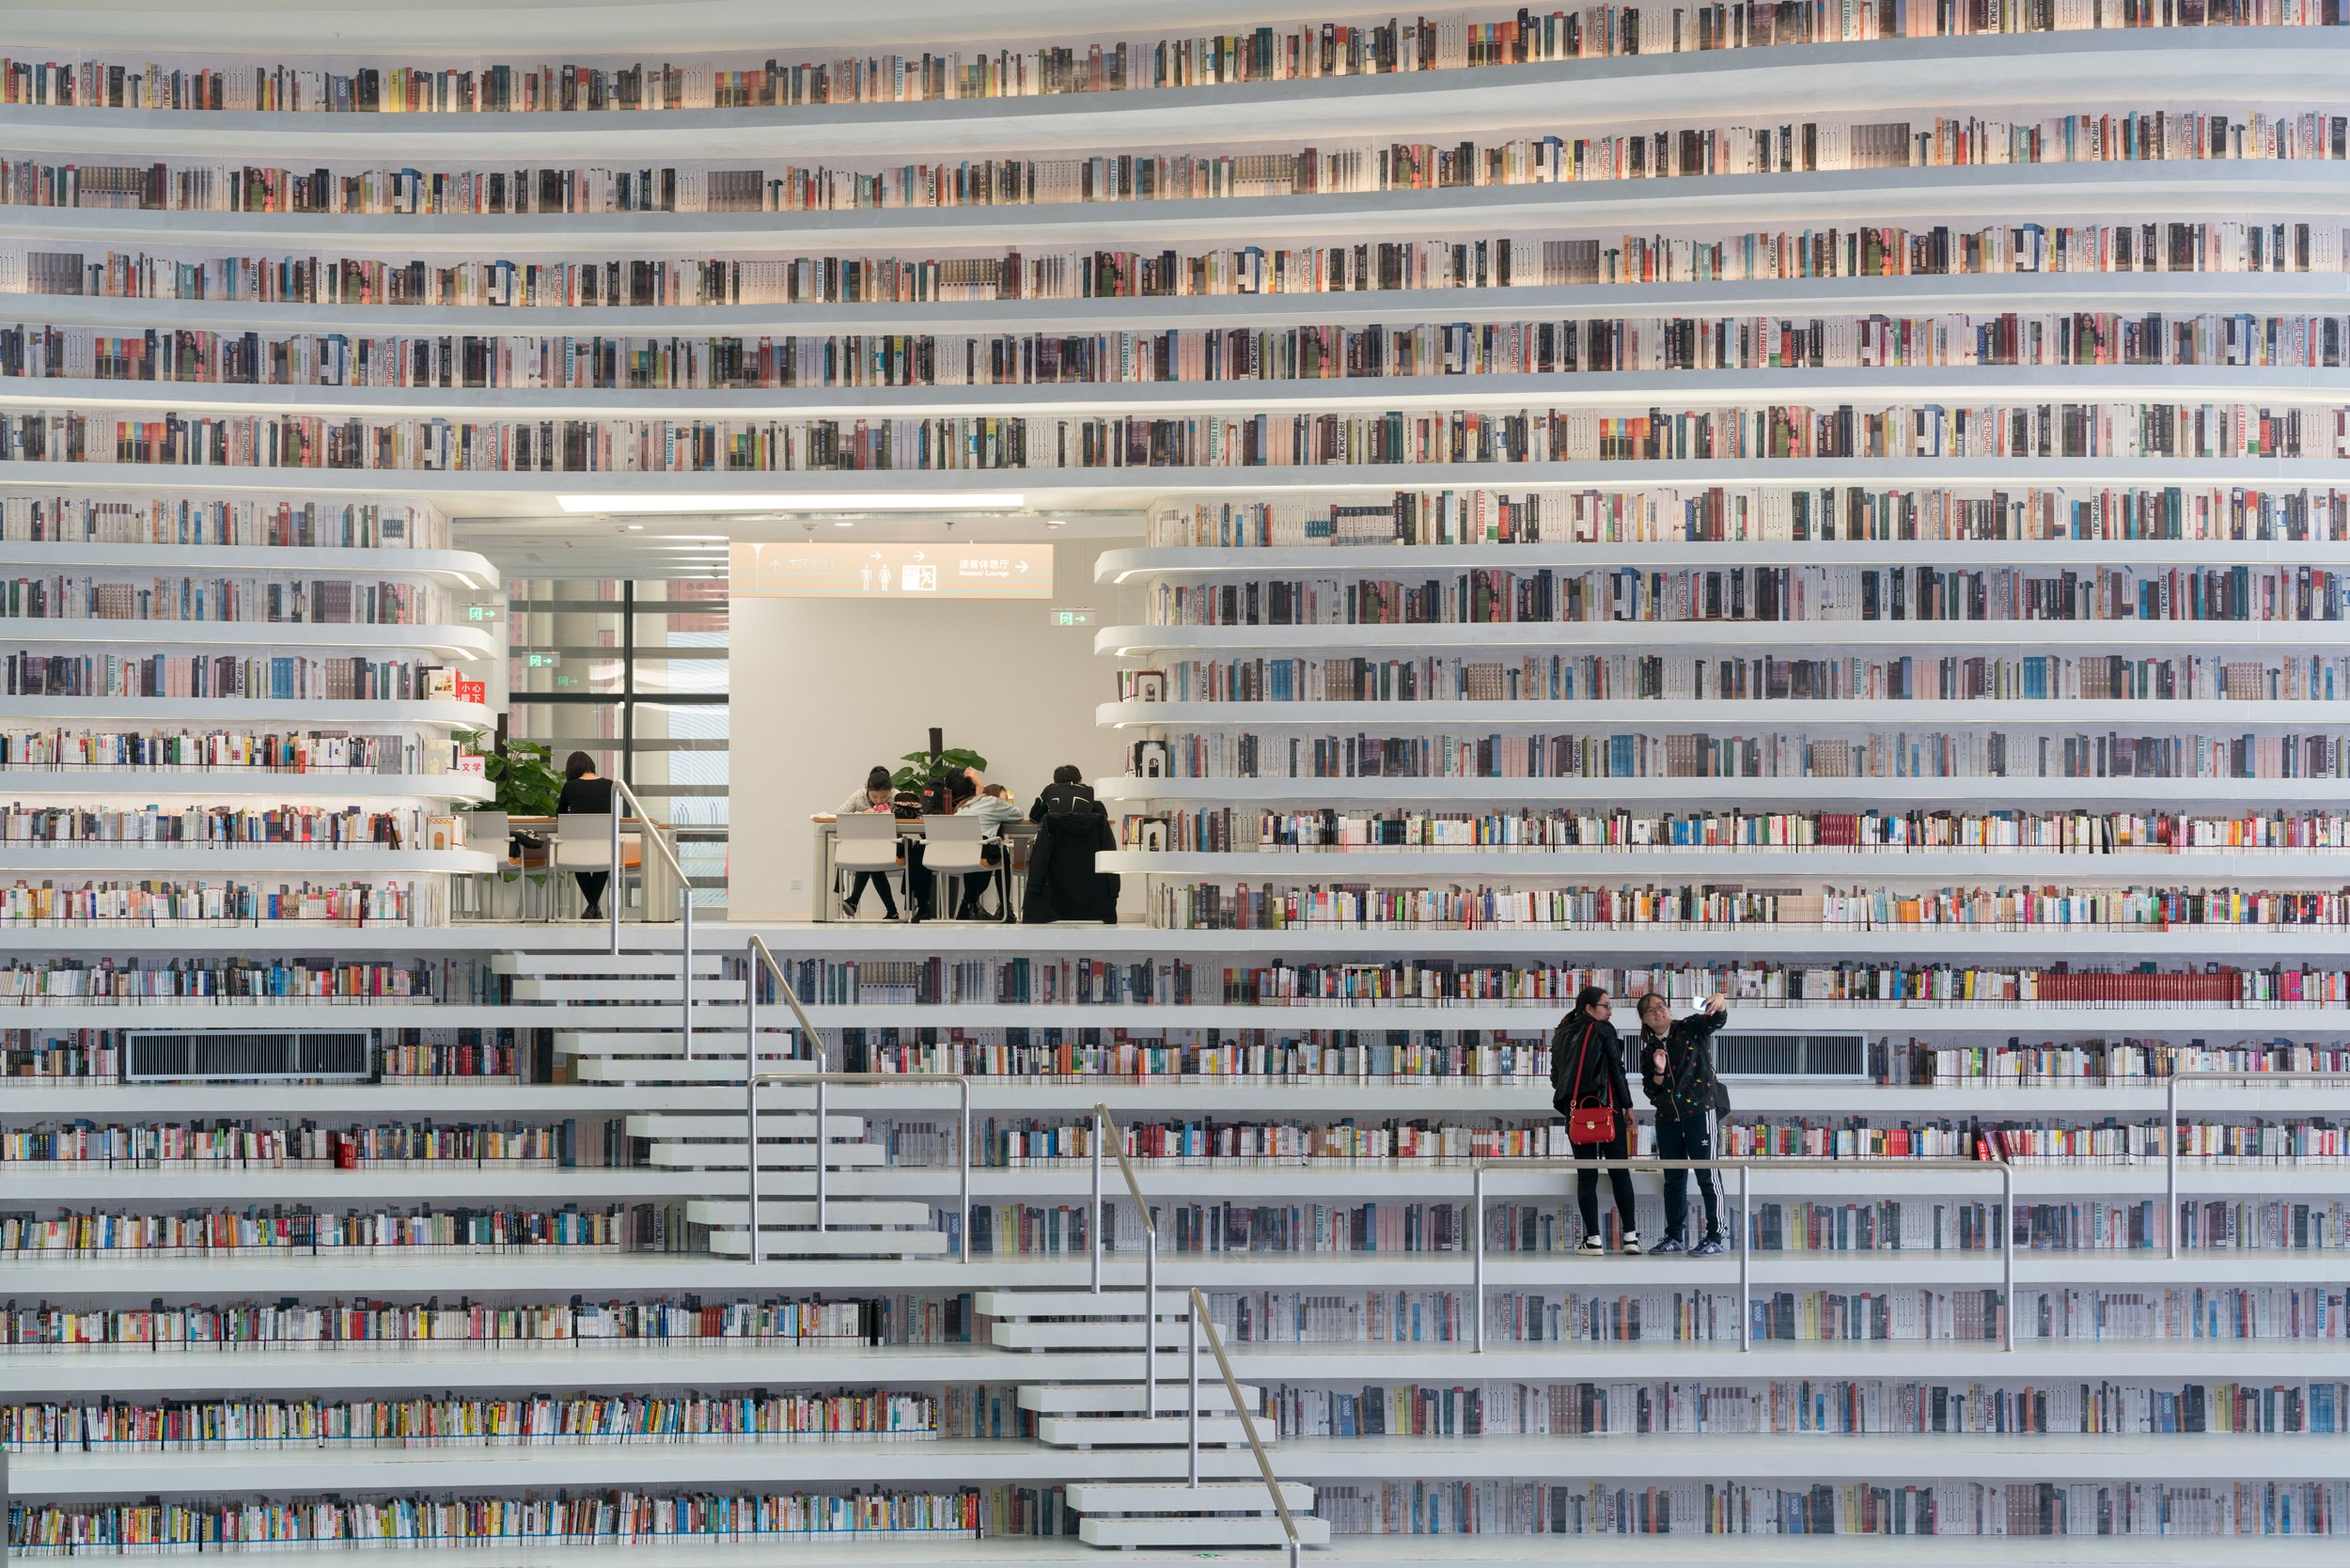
[635, 675]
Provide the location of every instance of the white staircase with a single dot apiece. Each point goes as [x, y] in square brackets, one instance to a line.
[619, 1019]
[1231, 1506]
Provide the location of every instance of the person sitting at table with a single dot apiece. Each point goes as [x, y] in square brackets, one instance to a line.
[1068, 785]
[879, 794]
[966, 800]
[585, 794]
[1064, 884]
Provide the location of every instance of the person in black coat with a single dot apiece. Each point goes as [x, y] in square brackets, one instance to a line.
[1068, 787]
[1587, 1070]
[1062, 882]
[1677, 1074]
[585, 790]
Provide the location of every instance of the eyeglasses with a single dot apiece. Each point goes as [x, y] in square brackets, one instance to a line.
[1605, 1004]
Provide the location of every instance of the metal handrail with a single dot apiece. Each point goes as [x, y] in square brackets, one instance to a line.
[760, 954]
[1745, 1167]
[2171, 1127]
[1199, 1319]
[649, 832]
[1104, 1122]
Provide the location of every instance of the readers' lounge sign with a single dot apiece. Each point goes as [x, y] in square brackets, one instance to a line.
[841, 571]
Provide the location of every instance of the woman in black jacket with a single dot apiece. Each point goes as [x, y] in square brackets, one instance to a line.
[1586, 1070]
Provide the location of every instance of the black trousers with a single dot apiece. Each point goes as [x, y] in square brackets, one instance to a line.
[591, 886]
[879, 882]
[1620, 1179]
[1691, 1137]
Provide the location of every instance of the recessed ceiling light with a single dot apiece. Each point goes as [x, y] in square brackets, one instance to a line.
[631, 527]
[845, 523]
[733, 504]
[1057, 522]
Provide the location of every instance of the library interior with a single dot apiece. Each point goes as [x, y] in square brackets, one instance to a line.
[1280, 596]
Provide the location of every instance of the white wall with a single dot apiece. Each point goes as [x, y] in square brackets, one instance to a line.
[824, 688]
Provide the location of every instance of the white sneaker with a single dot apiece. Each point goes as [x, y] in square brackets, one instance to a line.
[1590, 1247]
[1632, 1244]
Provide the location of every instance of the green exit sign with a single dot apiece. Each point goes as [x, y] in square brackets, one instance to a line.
[542, 661]
[1073, 615]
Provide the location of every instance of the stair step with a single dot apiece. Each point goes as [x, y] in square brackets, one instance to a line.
[841, 1213]
[1076, 1304]
[656, 1070]
[774, 1125]
[1065, 1432]
[1219, 1497]
[771, 1157]
[1118, 1399]
[833, 1243]
[653, 990]
[1252, 1531]
[544, 965]
[1173, 1336]
[735, 1212]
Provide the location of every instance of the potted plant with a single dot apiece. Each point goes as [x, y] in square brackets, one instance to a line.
[923, 772]
[524, 783]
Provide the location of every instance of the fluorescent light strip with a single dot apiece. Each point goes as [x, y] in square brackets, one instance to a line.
[844, 501]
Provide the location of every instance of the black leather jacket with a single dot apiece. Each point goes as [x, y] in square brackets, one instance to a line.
[1685, 1084]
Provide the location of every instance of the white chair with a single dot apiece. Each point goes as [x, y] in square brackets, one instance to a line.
[477, 892]
[952, 848]
[583, 842]
[867, 841]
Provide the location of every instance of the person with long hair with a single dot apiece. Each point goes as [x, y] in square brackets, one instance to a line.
[879, 794]
[1588, 1087]
[587, 793]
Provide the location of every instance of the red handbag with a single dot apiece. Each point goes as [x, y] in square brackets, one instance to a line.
[1589, 1124]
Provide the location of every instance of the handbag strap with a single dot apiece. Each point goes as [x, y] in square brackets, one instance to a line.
[1575, 1094]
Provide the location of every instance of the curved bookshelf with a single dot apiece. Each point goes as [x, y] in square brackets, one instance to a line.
[96, 783]
[459, 642]
[1382, 638]
[1825, 712]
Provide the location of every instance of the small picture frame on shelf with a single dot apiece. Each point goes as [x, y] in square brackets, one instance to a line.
[1142, 685]
[1152, 759]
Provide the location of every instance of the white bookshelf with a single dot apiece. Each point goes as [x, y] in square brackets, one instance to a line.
[2246, 68]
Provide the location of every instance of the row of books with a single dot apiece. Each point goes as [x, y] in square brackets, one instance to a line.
[324, 602]
[990, 442]
[285, 677]
[1298, 51]
[1038, 1142]
[1773, 514]
[225, 825]
[237, 977]
[164, 901]
[226, 751]
[35, 517]
[1176, 905]
[285, 1144]
[286, 276]
[1497, 595]
[2168, 134]
[508, 1323]
[545, 1518]
[452, 1420]
[1844, 1406]
[1783, 753]
[1314, 1315]
[1173, 354]
[1595, 677]
[1224, 829]
[2034, 1508]
[301, 1228]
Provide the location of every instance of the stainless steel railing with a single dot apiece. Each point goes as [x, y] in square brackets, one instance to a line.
[650, 832]
[1746, 1251]
[1200, 1321]
[1106, 1130]
[761, 957]
[2170, 1128]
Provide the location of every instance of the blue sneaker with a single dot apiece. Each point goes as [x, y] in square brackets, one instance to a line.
[1710, 1247]
[1670, 1243]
